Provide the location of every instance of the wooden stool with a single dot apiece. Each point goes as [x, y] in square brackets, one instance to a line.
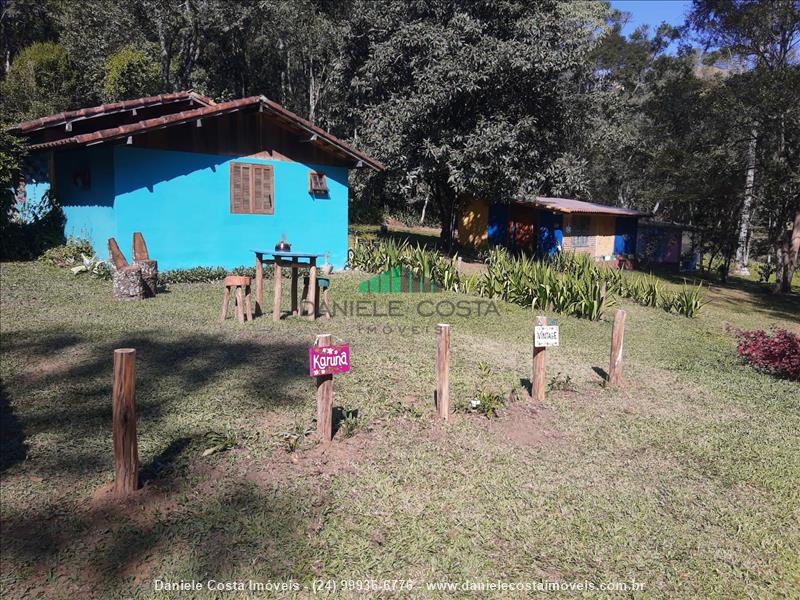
[243, 310]
[323, 283]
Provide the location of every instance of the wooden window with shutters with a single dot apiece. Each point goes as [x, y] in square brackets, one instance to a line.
[317, 183]
[252, 189]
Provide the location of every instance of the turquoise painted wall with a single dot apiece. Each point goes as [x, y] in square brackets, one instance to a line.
[89, 205]
[180, 201]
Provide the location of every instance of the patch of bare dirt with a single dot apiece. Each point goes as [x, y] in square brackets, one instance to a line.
[526, 424]
[320, 460]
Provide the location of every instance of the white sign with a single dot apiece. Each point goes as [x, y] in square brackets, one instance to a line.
[545, 336]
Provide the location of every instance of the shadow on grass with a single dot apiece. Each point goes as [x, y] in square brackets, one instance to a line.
[165, 462]
[744, 295]
[13, 448]
[71, 398]
[236, 530]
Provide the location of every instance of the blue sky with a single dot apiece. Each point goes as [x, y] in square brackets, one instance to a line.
[652, 12]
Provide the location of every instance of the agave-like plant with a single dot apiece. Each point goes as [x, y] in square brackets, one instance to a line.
[689, 300]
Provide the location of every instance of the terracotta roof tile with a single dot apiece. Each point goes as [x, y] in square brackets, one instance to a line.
[104, 109]
[210, 110]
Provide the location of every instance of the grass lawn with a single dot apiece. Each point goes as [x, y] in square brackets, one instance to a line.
[685, 480]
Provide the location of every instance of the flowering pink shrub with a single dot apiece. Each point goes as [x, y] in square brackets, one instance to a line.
[778, 354]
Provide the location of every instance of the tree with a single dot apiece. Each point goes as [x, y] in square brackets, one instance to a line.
[466, 98]
[765, 35]
[130, 73]
[23, 22]
[38, 82]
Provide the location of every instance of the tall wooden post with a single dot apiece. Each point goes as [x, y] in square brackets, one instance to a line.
[311, 305]
[259, 283]
[126, 452]
[443, 371]
[537, 371]
[617, 335]
[295, 273]
[276, 291]
[324, 398]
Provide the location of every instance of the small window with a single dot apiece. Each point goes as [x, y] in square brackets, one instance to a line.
[252, 189]
[317, 184]
[580, 232]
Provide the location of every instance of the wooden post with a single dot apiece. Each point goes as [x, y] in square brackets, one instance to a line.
[295, 272]
[239, 304]
[617, 335]
[126, 453]
[443, 371]
[324, 398]
[312, 290]
[259, 283]
[538, 372]
[276, 291]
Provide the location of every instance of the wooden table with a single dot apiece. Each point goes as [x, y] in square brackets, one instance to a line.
[295, 261]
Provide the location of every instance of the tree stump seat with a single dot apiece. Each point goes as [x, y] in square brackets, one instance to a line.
[149, 270]
[238, 285]
[149, 267]
[127, 283]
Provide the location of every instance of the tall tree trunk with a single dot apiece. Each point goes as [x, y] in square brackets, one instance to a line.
[446, 198]
[787, 254]
[165, 45]
[745, 222]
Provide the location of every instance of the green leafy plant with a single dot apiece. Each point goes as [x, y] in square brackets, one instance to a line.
[406, 410]
[689, 300]
[766, 271]
[217, 441]
[294, 437]
[349, 425]
[487, 401]
[559, 382]
[68, 255]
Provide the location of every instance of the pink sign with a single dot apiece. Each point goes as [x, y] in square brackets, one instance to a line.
[328, 360]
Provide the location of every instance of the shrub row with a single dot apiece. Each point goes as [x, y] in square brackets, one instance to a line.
[71, 255]
[565, 283]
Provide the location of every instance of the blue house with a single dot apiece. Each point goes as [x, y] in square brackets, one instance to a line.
[204, 182]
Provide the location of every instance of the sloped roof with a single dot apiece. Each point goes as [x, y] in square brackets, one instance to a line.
[107, 109]
[208, 108]
[571, 206]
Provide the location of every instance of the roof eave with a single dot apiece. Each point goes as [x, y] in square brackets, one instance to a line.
[359, 158]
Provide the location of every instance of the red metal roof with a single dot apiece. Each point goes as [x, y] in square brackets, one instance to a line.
[105, 109]
[209, 109]
[570, 206]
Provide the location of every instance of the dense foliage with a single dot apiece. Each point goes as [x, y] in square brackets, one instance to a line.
[566, 283]
[778, 354]
[492, 98]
